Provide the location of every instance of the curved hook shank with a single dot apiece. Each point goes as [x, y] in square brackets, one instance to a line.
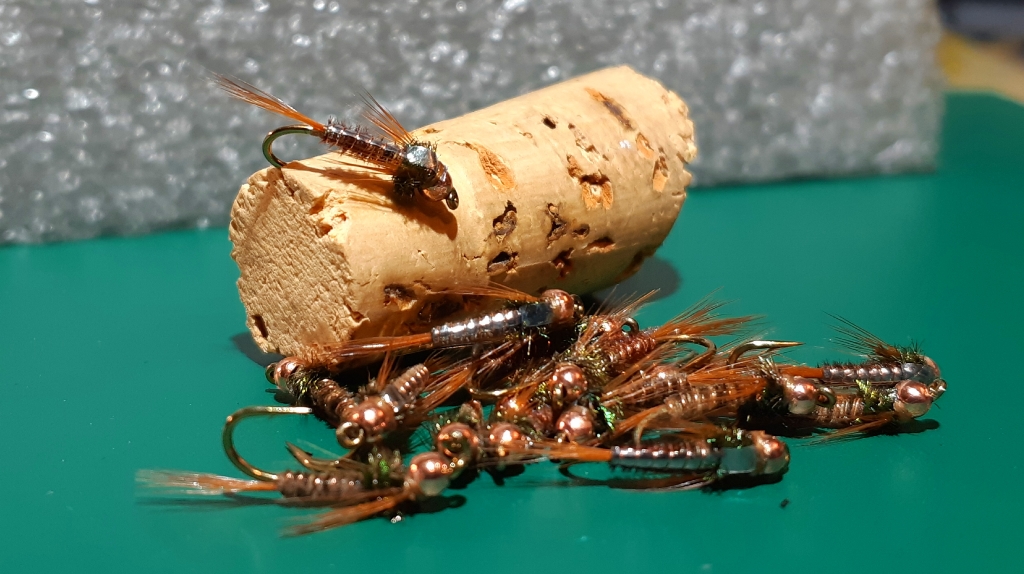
[228, 440]
[745, 348]
[700, 360]
[268, 141]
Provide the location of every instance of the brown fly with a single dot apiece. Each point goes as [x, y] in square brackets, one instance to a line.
[387, 149]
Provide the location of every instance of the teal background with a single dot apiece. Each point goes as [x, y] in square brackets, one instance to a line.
[117, 355]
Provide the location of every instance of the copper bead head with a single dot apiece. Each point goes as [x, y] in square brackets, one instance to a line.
[575, 424]
[429, 473]
[772, 453]
[913, 399]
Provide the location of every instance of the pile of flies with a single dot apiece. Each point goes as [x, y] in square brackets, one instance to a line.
[542, 380]
[385, 150]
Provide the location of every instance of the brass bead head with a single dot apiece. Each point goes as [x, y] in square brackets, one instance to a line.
[502, 436]
[801, 395]
[365, 422]
[575, 424]
[458, 442]
[913, 399]
[429, 473]
[567, 383]
[772, 453]
[562, 304]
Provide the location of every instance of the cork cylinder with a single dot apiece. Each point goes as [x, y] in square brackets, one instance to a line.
[568, 187]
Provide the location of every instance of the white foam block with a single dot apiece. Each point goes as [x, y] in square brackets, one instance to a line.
[108, 125]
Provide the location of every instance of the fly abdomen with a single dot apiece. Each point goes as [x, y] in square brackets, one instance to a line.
[659, 382]
[877, 373]
[690, 455]
[360, 143]
[698, 400]
[405, 388]
[317, 485]
[626, 348]
[846, 411]
[493, 327]
[329, 400]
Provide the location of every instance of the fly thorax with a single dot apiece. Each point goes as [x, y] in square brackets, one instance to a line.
[422, 159]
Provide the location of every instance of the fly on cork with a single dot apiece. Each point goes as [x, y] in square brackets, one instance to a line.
[391, 152]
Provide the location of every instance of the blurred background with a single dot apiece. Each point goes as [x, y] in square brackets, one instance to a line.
[108, 125]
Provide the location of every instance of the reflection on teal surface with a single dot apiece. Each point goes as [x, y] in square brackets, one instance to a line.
[117, 356]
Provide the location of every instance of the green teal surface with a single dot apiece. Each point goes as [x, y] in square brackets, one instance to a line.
[118, 356]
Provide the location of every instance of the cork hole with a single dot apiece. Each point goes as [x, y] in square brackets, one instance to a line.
[323, 228]
[503, 262]
[550, 122]
[643, 147]
[563, 263]
[498, 171]
[558, 224]
[261, 326]
[602, 245]
[400, 295]
[660, 176]
[581, 232]
[614, 108]
[318, 205]
[505, 223]
[431, 131]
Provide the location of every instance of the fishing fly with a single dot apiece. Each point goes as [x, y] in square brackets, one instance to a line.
[386, 150]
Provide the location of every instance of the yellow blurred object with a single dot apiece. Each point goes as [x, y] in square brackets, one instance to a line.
[991, 66]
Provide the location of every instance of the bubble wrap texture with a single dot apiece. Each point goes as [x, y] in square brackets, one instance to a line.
[109, 126]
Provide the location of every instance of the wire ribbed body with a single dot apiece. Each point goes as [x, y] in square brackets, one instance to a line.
[847, 410]
[697, 400]
[329, 400]
[317, 485]
[493, 327]
[850, 373]
[687, 455]
[405, 388]
[623, 349]
[653, 385]
[360, 143]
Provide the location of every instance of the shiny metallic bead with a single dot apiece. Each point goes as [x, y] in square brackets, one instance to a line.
[511, 408]
[568, 383]
[367, 421]
[913, 399]
[772, 453]
[283, 371]
[562, 304]
[429, 473]
[575, 424]
[801, 395]
[502, 436]
[458, 441]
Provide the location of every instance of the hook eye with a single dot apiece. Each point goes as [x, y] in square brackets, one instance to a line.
[268, 141]
[452, 201]
[629, 325]
[826, 397]
[350, 435]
